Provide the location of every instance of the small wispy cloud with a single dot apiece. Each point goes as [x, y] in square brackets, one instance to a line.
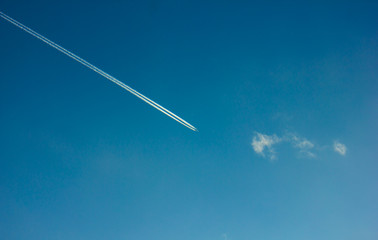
[339, 148]
[264, 145]
[262, 142]
[304, 146]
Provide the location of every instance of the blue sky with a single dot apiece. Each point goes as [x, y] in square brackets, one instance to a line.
[271, 86]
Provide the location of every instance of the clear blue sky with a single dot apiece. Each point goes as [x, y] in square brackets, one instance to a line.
[278, 91]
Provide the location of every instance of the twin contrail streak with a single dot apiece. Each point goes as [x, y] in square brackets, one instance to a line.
[99, 71]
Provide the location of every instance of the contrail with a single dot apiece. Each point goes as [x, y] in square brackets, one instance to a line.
[99, 71]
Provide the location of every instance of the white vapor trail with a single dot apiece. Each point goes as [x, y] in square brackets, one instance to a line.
[99, 71]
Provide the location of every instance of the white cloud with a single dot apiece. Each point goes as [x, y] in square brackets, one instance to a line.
[261, 142]
[264, 145]
[304, 146]
[339, 148]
